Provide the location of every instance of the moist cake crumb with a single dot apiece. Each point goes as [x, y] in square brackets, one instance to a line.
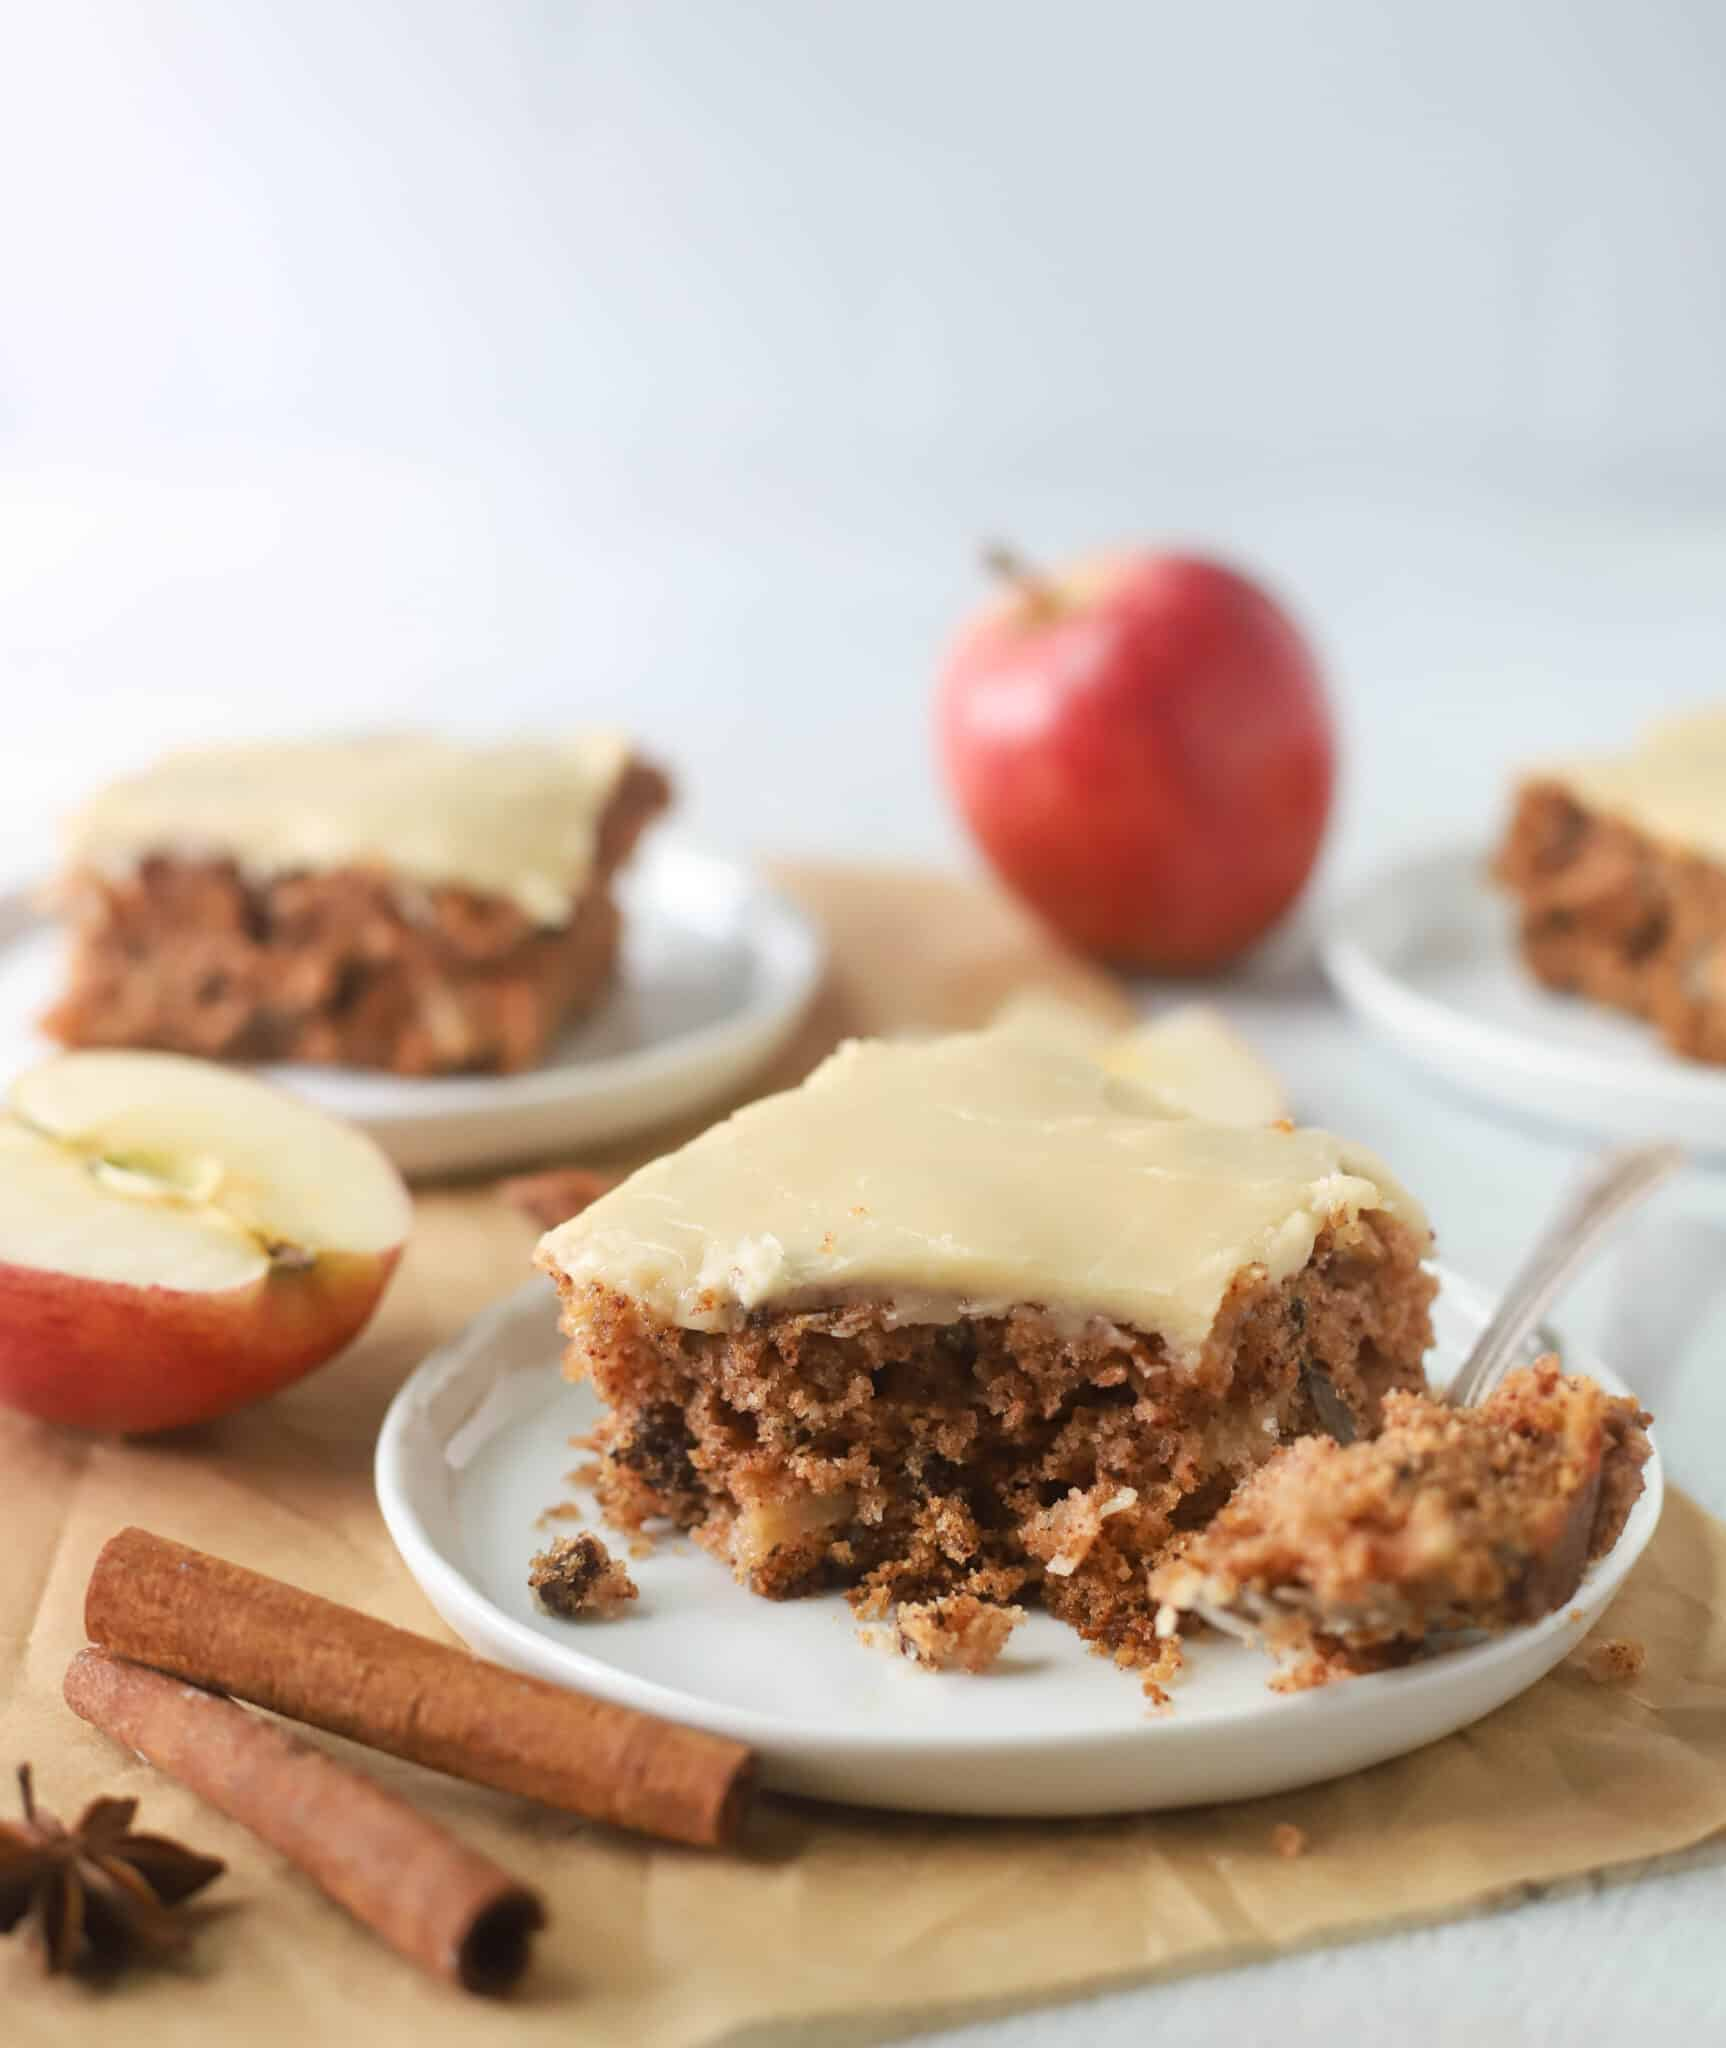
[1161, 1666]
[578, 1577]
[995, 1456]
[1288, 1840]
[554, 1195]
[562, 1511]
[1346, 1557]
[957, 1632]
[1614, 1659]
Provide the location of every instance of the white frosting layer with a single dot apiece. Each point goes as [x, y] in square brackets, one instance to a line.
[967, 1175]
[519, 820]
[1671, 784]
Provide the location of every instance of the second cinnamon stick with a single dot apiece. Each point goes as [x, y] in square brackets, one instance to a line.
[162, 1603]
[441, 1904]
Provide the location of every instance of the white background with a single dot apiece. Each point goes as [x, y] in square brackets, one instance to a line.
[501, 364]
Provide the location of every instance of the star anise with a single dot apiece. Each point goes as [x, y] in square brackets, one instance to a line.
[95, 1895]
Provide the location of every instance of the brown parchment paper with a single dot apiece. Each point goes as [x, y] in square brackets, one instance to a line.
[874, 1921]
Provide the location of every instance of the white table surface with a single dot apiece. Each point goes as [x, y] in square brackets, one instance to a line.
[776, 644]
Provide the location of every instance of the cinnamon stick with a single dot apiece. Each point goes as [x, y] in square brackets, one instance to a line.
[162, 1603]
[437, 1902]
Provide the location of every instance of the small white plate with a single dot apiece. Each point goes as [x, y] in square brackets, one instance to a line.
[476, 1444]
[717, 970]
[1427, 955]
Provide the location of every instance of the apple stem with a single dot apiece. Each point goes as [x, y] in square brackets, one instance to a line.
[1025, 577]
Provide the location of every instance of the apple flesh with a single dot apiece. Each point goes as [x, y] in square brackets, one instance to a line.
[177, 1240]
[1144, 751]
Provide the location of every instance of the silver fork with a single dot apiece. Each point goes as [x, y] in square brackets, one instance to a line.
[1614, 1183]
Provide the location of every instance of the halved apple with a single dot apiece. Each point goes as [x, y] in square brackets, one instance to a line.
[177, 1239]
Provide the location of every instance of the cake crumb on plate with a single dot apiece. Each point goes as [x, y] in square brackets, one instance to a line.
[578, 1577]
[958, 1632]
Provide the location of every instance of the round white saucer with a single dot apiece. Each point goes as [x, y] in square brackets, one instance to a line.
[476, 1445]
[1427, 955]
[717, 969]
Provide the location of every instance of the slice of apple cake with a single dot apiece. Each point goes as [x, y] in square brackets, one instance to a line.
[398, 901]
[1618, 867]
[971, 1315]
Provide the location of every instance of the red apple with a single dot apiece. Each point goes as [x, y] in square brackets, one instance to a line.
[1143, 748]
[177, 1240]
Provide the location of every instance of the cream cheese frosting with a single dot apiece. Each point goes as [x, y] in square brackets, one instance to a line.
[965, 1176]
[518, 819]
[1670, 785]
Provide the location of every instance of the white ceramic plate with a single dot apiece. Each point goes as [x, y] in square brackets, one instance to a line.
[717, 969]
[1427, 955]
[476, 1444]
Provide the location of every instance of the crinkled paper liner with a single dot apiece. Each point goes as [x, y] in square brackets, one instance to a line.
[872, 1924]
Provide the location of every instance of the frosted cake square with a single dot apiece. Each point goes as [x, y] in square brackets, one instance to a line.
[395, 901]
[972, 1316]
[1618, 866]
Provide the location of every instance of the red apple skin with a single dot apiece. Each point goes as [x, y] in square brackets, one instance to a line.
[103, 1356]
[1146, 756]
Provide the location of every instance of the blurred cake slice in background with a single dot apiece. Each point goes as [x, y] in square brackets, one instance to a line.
[1618, 866]
[397, 901]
